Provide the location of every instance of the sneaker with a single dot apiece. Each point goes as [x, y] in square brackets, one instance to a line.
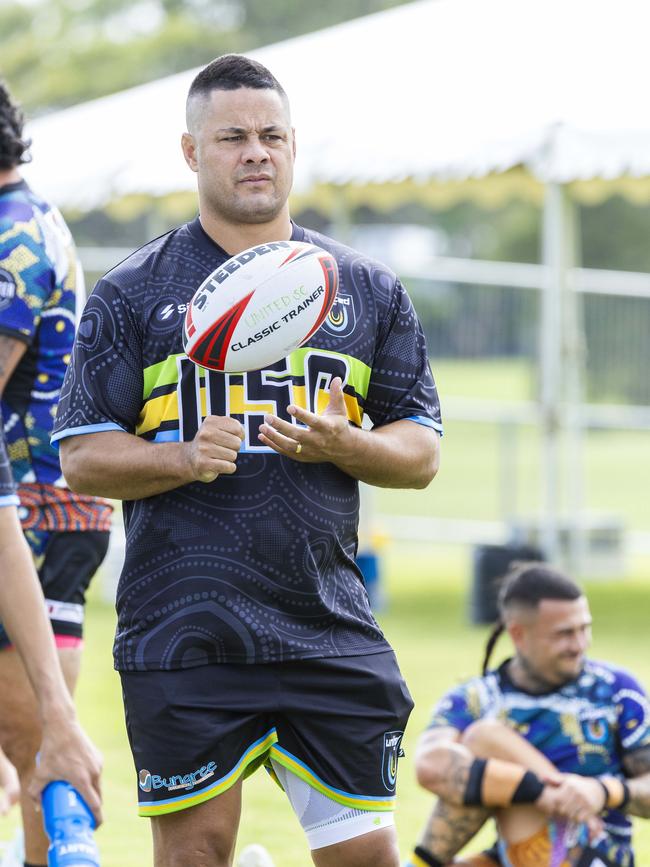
[253, 856]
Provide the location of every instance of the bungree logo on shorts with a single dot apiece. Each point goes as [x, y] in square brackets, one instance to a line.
[392, 752]
[148, 781]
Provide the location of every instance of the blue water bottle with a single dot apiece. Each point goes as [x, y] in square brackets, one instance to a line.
[69, 824]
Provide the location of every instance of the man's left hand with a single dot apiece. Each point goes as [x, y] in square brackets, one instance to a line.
[66, 753]
[326, 437]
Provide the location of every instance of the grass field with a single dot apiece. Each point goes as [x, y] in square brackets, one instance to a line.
[426, 621]
[490, 472]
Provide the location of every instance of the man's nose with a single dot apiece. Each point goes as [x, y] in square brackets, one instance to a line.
[255, 151]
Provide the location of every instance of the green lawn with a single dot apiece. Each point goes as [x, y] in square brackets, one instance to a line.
[427, 623]
[491, 472]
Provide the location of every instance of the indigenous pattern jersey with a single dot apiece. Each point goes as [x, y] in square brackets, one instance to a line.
[7, 487]
[257, 566]
[39, 282]
[586, 727]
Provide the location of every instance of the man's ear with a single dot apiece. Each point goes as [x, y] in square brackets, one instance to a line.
[516, 632]
[188, 146]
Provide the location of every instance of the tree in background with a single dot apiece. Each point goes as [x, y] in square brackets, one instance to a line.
[57, 53]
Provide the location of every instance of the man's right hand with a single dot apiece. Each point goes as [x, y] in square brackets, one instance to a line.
[215, 447]
[576, 798]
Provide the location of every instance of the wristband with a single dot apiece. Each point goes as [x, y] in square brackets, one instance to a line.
[495, 783]
[473, 796]
[528, 790]
[626, 795]
[422, 856]
[617, 798]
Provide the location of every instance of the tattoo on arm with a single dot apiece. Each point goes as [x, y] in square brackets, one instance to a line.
[450, 827]
[637, 767]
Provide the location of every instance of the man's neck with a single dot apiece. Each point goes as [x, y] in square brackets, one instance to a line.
[9, 176]
[524, 677]
[233, 238]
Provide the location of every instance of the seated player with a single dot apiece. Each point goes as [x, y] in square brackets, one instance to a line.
[554, 746]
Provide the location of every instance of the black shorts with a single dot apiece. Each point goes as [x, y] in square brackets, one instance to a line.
[69, 561]
[336, 723]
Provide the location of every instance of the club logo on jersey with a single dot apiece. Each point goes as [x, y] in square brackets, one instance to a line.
[342, 318]
[7, 288]
[392, 752]
[148, 781]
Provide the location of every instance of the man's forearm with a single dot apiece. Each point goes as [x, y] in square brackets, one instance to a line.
[122, 466]
[400, 455]
[639, 803]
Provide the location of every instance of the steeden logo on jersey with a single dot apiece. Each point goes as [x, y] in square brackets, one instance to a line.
[169, 311]
[342, 318]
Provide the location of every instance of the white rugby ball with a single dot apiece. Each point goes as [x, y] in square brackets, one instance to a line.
[259, 306]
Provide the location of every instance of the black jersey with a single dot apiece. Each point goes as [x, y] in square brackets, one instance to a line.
[257, 566]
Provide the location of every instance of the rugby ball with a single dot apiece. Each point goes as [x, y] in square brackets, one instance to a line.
[259, 306]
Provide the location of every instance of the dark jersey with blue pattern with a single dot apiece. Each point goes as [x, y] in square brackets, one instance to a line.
[586, 727]
[257, 566]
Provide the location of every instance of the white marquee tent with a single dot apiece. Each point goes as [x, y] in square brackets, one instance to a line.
[436, 89]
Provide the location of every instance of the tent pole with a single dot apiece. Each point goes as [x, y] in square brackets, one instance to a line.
[554, 258]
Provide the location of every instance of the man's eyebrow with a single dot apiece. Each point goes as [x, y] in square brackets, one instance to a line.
[240, 129]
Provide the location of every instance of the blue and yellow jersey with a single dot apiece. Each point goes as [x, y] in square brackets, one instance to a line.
[40, 285]
[257, 566]
[585, 727]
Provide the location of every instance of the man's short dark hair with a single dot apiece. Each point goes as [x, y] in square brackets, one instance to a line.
[526, 585]
[232, 71]
[13, 146]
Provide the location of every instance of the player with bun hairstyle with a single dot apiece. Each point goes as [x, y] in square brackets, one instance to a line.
[554, 745]
[245, 634]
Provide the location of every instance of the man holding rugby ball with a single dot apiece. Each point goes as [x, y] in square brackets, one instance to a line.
[245, 635]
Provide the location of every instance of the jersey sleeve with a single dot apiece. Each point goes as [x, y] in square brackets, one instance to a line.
[459, 708]
[26, 282]
[401, 384]
[102, 389]
[633, 710]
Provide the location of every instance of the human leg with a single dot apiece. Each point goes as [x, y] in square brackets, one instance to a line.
[339, 741]
[200, 836]
[20, 735]
[66, 564]
[376, 849]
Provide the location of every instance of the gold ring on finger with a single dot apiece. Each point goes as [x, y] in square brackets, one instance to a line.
[298, 448]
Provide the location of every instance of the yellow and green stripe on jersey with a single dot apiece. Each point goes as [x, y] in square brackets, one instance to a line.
[178, 394]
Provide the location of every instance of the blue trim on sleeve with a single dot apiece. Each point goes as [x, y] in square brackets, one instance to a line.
[167, 436]
[425, 421]
[9, 500]
[85, 429]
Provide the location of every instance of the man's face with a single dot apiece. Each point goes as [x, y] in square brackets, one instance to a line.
[241, 145]
[552, 640]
